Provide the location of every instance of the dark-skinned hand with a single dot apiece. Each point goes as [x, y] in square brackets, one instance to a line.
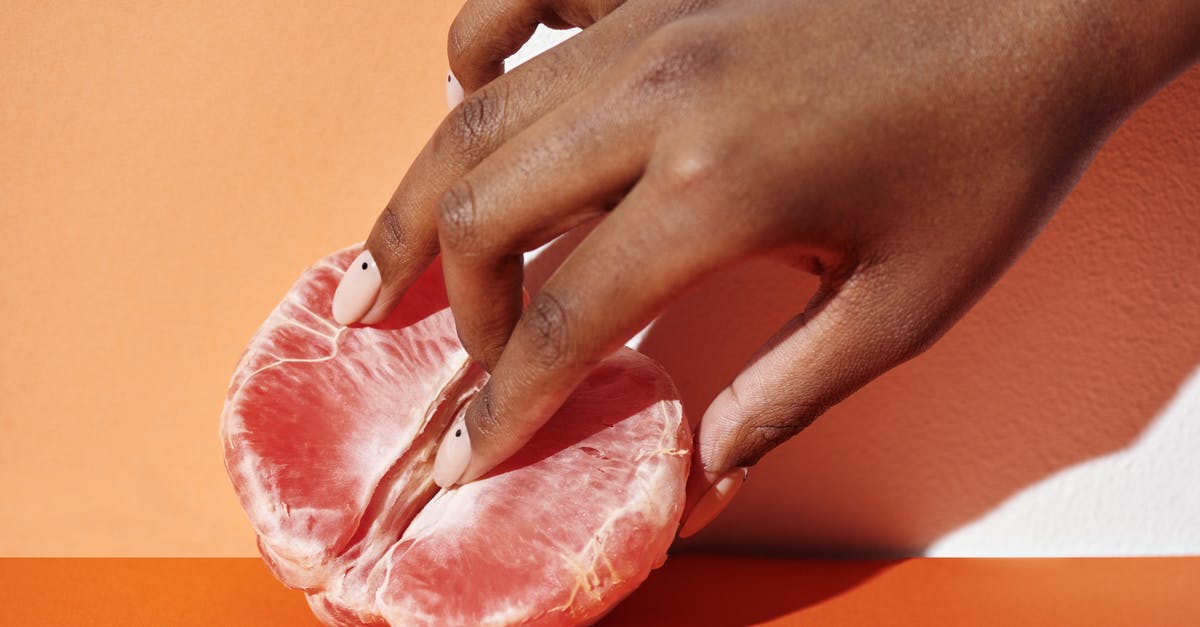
[905, 152]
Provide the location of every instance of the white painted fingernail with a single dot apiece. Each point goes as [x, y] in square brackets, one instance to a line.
[453, 456]
[714, 501]
[358, 289]
[454, 90]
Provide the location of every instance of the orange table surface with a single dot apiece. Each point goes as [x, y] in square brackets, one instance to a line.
[689, 590]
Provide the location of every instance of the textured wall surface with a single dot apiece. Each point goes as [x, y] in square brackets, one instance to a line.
[1142, 499]
[166, 172]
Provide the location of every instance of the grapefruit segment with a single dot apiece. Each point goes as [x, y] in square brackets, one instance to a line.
[329, 435]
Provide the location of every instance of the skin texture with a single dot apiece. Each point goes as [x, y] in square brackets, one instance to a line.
[904, 152]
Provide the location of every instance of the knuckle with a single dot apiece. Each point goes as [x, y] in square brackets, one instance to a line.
[547, 330]
[694, 169]
[475, 125]
[675, 57]
[458, 217]
[391, 237]
[485, 419]
[766, 433]
[759, 427]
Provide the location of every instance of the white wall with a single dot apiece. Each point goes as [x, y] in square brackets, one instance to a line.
[1141, 500]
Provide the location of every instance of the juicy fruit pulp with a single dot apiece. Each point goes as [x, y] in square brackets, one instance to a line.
[329, 436]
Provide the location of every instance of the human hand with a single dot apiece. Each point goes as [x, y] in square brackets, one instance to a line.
[905, 153]
[486, 32]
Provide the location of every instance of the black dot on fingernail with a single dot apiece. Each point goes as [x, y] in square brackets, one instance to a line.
[458, 433]
[364, 265]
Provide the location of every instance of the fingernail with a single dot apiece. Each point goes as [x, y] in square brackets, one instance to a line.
[714, 501]
[453, 456]
[454, 90]
[358, 289]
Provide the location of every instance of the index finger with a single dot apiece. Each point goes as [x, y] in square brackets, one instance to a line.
[404, 239]
[611, 286]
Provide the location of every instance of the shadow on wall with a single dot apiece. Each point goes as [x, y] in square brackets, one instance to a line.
[1066, 359]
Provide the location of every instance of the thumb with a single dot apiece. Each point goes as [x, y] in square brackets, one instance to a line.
[845, 338]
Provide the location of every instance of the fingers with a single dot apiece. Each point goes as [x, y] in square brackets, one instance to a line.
[404, 239]
[848, 336]
[486, 32]
[559, 173]
[614, 283]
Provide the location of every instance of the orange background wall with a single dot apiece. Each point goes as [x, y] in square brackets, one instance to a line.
[166, 171]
